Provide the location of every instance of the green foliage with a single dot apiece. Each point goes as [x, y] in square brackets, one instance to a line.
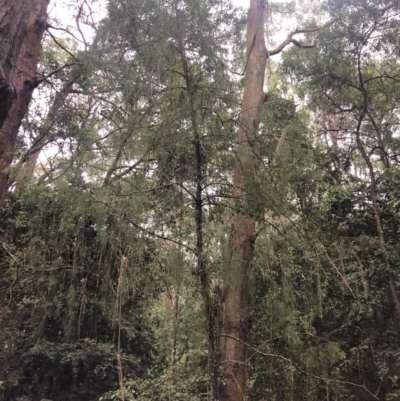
[100, 254]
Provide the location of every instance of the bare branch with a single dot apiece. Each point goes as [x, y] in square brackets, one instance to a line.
[62, 47]
[48, 26]
[78, 25]
[289, 39]
[39, 81]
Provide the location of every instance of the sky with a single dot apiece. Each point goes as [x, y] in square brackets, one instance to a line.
[242, 3]
[59, 9]
[62, 12]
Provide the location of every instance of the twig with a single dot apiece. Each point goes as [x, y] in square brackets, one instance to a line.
[63, 29]
[39, 81]
[62, 47]
[340, 274]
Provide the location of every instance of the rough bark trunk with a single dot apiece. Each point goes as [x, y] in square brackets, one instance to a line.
[236, 313]
[22, 24]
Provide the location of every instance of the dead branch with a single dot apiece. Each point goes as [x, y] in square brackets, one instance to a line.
[289, 39]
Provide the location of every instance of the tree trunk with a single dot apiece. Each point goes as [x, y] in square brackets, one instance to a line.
[22, 24]
[236, 312]
[210, 306]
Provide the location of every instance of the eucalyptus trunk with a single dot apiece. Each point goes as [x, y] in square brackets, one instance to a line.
[22, 24]
[236, 308]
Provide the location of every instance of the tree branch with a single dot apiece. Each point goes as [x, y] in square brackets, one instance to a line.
[48, 26]
[62, 47]
[39, 81]
[289, 39]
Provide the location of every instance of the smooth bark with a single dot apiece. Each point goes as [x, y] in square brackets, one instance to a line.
[236, 310]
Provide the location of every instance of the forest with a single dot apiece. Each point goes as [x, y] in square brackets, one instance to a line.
[199, 201]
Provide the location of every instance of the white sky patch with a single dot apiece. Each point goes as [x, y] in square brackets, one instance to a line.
[241, 3]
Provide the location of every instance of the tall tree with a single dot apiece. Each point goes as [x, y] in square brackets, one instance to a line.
[22, 24]
[236, 297]
[236, 307]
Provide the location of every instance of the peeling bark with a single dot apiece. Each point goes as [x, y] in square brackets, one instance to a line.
[22, 24]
